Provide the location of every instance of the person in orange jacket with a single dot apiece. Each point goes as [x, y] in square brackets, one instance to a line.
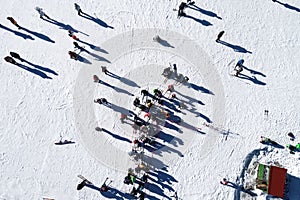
[14, 22]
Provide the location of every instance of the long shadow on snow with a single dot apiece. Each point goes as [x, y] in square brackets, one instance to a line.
[40, 67]
[96, 20]
[95, 48]
[63, 26]
[38, 35]
[203, 22]
[288, 6]
[236, 48]
[254, 72]
[17, 33]
[117, 89]
[97, 57]
[34, 71]
[253, 79]
[205, 12]
[116, 136]
[200, 88]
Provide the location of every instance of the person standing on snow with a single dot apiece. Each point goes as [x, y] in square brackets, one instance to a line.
[219, 36]
[104, 69]
[77, 7]
[239, 67]
[41, 12]
[71, 34]
[181, 8]
[15, 55]
[10, 60]
[14, 22]
[73, 55]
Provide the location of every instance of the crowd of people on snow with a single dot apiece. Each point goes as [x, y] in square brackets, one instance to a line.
[145, 102]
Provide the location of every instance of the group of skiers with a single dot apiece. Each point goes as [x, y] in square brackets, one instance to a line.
[182, 6]
[133, 179]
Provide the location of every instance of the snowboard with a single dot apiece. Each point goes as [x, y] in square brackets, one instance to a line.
[84, 179]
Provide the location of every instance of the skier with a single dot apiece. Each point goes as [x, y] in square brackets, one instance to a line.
[291, 148]
[102, 101]
[144, 93]
[41, 12]
[170, 89]
[181, 8]
[134, 191]
[73, 55]
[239, 67]
[10, 60]
[15, 55]
[157, 93]
[105, 187]
[224, 181]
[145, 176]
[77, 7]
[140, 187]
[71, 34]
[14, 22]
[148, 115]
[104, 69]
[189, 2]
[219, 36]
[186, 79]
[136, 102]
[142, 196]
[166, 71]
[174, 67]
[76, 45]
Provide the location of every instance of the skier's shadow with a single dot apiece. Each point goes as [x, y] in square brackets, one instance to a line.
[117, 89]
[164, 43]
[63, 26]
[96, 20]
[93, 47]
[254, 72]
[205, 12]
[236, 48]
[40, 67]
[38, 35]
[203, 22]
[274, 144]
[200, 88]
[34, 71]
[161, 181]
[84, 60]
[97, 57]
[129, 82]
[17, 33]
[116, 136]
[253, 79]
[288, 6]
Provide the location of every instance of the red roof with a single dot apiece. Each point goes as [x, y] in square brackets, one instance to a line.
[277, 181]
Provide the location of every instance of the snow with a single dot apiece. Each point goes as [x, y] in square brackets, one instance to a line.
[37, 111]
